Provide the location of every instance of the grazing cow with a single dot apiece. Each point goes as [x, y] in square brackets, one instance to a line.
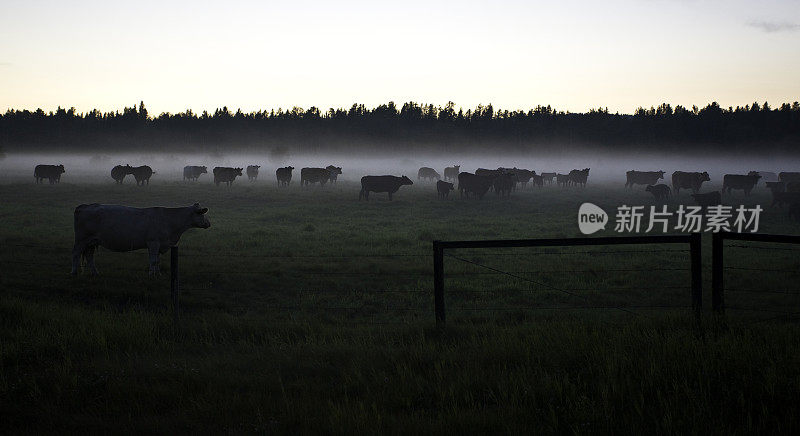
[428, 174]
[314, 175]
[562, 179]
[548, 177]
[643, 178]
[684, 180]
[780, 198]
[469, 183]
[122, 228]
[334, 173]
[789, 177]
[661, 191]
[504, 184]
[284, 175]
[451, 173]
[388, 184]
[738, 181]
[142, 174]
[192, 172]
[119, 172]
[708, 199]
[579, 177]
[50, 172]
[537, 180]
[252, 172]
[226, 175]
[443, 188]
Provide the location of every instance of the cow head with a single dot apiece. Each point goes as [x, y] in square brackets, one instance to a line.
[661, 174]
[61, 168]
[254, 167]
[333, 169]
[203, 170]
[238, 171]
[457, 167]
[406, 181]
[198, 218]
[290, 169]
[449, 186]
[704, 177]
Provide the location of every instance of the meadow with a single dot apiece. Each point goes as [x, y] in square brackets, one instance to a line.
[307, 310]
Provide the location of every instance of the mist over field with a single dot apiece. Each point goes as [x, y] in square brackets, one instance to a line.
[604, 167]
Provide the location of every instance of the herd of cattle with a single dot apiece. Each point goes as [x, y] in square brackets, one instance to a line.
[785, 186]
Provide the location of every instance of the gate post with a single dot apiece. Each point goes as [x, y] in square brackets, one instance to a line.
[174, 282]
[697, 270]
[438, 281]
[717, 286]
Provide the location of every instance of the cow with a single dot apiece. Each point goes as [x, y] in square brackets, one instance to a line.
[314, 175]
[776, 186]
[578, 177]
[504, 184]
[642, 178]
[389, 184]
[548, 177]
[538, 180]
[768, 176]
[451, 173]
[708, 199]
[119, 172]
[483, 172]
[142, 174]
[780, 198]
[252, 172]
[226, 175]
[284, 175]
[685, 180]
[738, 181]
[661, 191]
[562, 179]
[192, 172]
[469, 183]
[787, 177]
[523, 176]
[122, 228]
[334, 173]
[443, 188]
[50, 172]
[428, 174]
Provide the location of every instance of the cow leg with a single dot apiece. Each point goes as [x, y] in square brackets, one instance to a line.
[77, 252]
[390, 196]
[88, 253]
[152, 248]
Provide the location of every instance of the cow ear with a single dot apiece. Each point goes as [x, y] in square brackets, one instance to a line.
[203, 211]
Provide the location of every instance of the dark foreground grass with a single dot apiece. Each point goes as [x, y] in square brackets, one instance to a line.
[294, 322]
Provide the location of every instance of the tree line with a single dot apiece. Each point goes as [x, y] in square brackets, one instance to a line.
[417, 127]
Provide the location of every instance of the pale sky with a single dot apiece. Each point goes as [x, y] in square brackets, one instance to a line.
[573, 55]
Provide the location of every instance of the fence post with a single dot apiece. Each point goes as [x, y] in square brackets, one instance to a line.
[174, 282]
[438, 281]
[697, 270]
[717, 285]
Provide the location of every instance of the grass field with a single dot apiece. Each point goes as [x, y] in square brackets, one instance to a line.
[305, 309]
